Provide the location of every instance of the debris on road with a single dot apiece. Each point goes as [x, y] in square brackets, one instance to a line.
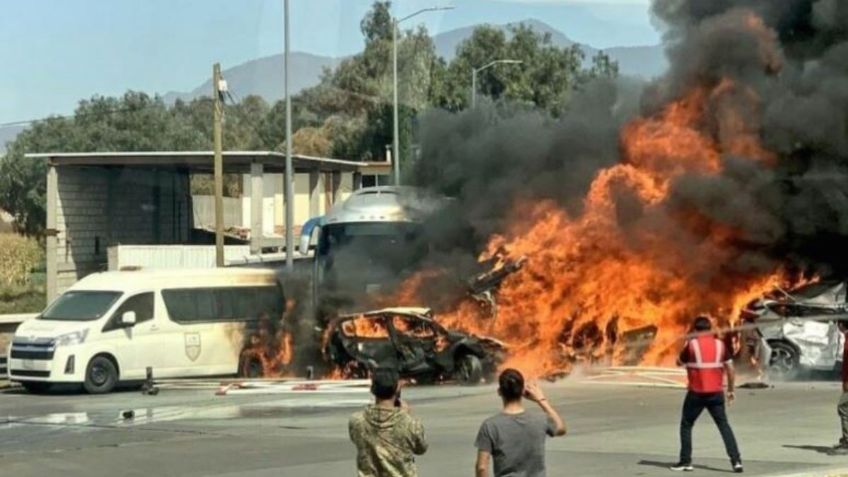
[294, 386]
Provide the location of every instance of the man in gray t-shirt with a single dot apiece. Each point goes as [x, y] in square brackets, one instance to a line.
[514, 438]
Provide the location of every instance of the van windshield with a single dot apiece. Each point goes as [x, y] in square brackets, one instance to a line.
[81, 305]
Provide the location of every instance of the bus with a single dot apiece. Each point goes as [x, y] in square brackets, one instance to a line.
[366, 245]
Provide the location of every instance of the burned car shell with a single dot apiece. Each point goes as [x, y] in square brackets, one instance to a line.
[410, 340]
[800, 327]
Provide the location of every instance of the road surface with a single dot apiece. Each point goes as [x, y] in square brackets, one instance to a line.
[614, 430]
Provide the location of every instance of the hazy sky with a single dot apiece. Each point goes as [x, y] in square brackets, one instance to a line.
[55, 52]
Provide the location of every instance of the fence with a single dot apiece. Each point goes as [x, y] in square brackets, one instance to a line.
[164, 257]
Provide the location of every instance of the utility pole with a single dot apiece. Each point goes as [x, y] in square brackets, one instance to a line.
[219, 164]
[289, 175]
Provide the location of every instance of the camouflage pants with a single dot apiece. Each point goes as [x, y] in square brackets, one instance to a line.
[842, 409]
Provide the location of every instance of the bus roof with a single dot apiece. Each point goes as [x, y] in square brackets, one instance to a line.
[188, 278]
[385, 204]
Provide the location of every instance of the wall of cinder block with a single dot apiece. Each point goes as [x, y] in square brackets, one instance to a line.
[98, 207]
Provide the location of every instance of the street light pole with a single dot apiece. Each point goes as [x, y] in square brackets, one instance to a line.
[473, 88]
[474, 72]
[395, 120]
[289, 176]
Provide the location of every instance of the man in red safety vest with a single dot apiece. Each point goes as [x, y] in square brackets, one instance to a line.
[707, 362]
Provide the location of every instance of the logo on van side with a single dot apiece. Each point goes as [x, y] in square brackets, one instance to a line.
[192, 345]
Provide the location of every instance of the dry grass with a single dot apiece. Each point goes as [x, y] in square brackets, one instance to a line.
[22, 300]
[18, 292]
[18, 256]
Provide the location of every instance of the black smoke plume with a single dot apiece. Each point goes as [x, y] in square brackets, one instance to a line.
[792, 212]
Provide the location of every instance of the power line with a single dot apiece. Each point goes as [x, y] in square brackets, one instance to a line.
[234, 99]
[79, 115]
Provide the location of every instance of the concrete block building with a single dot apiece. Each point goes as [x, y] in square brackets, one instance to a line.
[99, 200]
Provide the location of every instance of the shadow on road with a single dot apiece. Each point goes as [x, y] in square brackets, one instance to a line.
[666, 465]
[62, 389]
[820, 449]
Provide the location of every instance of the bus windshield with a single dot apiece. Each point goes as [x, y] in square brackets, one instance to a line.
[81, 305]
[368, 256]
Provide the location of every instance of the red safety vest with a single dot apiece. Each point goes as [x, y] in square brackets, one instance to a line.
[705, 366]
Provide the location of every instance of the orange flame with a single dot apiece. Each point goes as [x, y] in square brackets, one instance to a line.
[272, 345]
[629, 261]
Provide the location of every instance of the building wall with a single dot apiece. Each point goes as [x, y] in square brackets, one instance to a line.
[273, 204]
[100, 207]
[204, 211]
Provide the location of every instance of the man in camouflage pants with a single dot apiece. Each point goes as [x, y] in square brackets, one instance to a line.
[386, 435]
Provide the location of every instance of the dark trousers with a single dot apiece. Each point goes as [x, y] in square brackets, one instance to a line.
[693, 405]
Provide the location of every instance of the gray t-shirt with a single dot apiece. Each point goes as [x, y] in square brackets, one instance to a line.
[516, 443]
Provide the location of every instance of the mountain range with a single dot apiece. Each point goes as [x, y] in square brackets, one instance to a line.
[264, 76]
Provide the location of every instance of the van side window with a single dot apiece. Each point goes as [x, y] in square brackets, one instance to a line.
[189, 305]
[141, 304]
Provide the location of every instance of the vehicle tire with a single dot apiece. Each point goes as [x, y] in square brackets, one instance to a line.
[251, 368]
[36, 387]
[468, 369]
[101, 375]
[784, 363]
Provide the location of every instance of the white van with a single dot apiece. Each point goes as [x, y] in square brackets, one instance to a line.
[109, 327]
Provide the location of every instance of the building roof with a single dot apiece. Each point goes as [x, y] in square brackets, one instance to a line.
[202, 161]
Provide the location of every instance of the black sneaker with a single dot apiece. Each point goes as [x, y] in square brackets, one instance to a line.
[682, 467]
[737, 467]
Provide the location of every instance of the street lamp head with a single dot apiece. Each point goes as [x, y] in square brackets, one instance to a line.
[497, 62]
[423, 10]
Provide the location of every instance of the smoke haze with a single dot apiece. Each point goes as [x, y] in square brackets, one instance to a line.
[788, 61]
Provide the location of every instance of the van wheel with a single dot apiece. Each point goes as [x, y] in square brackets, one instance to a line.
[251, 368]
[35, 388]
[101, 375]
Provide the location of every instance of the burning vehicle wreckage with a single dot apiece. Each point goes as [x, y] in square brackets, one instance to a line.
[426, 348]
[410, 339]
[413, 342]
[788, 332]
[782, 333]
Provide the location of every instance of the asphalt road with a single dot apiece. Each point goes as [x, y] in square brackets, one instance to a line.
[614, 430]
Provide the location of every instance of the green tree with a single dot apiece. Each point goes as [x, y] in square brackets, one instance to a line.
[545, 79]
[603, 66]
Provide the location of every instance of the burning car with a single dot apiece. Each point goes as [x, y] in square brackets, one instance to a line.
[798, 329]
[411, 340]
